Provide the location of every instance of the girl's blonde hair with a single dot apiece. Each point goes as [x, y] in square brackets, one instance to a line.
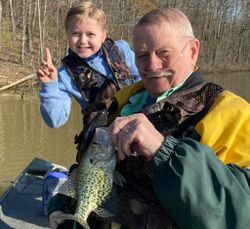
[83, 9]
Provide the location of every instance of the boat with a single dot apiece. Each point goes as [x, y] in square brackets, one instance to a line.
[21, 205]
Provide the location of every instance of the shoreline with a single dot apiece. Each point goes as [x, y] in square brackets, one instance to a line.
[31, 86]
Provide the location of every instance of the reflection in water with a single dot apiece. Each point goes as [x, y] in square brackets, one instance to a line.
[23, 135]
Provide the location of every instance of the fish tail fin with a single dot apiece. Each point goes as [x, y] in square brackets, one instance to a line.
[76, 218]
[83, 222]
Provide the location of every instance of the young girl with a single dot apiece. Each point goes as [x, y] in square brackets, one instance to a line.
[93, 71]
[93, 63]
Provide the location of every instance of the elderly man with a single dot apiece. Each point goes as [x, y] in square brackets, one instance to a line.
[193, 136]
[183, 143]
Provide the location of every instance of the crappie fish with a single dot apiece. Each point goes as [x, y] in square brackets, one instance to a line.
[91, 183]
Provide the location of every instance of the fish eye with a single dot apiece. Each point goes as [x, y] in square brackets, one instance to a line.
[91, 160]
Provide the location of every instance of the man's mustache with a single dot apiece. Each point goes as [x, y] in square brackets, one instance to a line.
[159, 74]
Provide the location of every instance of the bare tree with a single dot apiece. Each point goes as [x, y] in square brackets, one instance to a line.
[35, 15]
[29, 26]
[1, 10]
[221, 25]
[12, 19]
[24, 26]
[44, 21]
[40, 29]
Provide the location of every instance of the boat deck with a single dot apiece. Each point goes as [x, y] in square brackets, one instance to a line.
[21, 205]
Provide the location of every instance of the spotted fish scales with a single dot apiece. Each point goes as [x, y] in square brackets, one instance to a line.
[91, 183]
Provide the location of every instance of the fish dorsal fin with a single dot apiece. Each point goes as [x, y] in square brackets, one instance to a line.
[118, 178]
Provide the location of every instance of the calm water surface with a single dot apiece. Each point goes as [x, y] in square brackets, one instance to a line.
[23, 135]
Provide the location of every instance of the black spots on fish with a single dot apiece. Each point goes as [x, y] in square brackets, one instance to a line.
[103, 186]
[95, 195]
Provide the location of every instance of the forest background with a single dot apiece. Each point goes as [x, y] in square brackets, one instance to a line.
[28, 26]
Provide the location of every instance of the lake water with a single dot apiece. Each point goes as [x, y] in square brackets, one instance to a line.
[23, 135]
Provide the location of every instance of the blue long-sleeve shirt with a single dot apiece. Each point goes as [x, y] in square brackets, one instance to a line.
[55, 96]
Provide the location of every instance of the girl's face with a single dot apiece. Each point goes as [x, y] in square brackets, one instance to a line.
[85, 37]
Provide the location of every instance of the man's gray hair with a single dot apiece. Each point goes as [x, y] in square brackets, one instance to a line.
[174, 17]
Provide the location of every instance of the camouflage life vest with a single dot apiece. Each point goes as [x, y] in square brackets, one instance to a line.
[96, 88]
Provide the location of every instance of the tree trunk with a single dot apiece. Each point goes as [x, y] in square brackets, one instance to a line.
[1, 10]
[12, 20]
[29, 26]
[237, 57]
[24, 39]
[40, 29]
[44, 21]
[57, 34]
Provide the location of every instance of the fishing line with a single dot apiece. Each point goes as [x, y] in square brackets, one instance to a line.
[74, 226]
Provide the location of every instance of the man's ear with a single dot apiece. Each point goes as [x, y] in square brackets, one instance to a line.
[195, 48]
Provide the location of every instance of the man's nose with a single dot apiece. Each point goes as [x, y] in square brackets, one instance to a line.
[154, 63]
